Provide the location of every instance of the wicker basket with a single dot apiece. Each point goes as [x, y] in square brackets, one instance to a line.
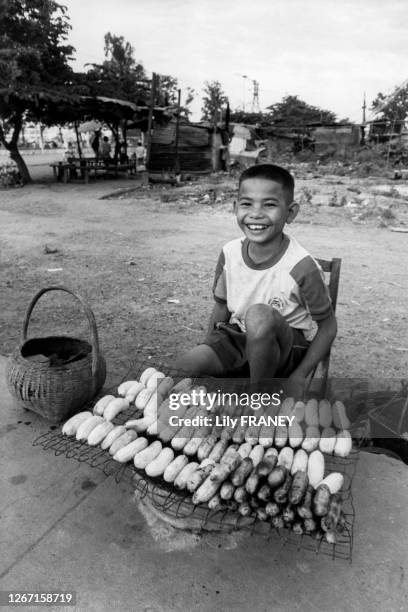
[68, 373]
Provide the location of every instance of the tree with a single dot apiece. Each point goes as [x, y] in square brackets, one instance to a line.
[392, 109]
[240, 116]
[33, 66]
[295, 113]
[122, 76]
[214, 97]
[185, 108]
[167, 88]
[119, 75]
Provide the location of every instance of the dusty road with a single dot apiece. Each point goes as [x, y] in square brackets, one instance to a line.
[129, 256]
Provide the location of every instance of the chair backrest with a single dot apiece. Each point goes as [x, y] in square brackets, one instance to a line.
[332, 267]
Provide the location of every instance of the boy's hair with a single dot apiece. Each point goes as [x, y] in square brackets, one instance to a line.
[270, 172]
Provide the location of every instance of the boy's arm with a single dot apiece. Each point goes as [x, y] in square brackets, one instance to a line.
[319, 347]
[220, 313]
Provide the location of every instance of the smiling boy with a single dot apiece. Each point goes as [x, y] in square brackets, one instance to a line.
[269, 293]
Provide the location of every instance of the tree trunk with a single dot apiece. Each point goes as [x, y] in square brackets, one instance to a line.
[22, 166]
[12, 148]
[117, 143]
[124, 140]
[42, 138]
[114, 128]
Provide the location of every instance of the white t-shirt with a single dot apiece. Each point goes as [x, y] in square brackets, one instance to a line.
[292, 282]
[140, 152]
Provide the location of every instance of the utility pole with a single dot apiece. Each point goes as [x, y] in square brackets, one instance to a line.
[363, 125]
[244, 77]
[150, 119]
[215, 148]
[177, 156]
[255, 97]
[364, 109]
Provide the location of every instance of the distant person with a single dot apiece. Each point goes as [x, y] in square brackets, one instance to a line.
[69, 153]
[68, 158]
[105, 150]
[140, 156]
[95, 141]
[123, 156]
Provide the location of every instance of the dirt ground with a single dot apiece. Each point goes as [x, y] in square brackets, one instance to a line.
[145, 261]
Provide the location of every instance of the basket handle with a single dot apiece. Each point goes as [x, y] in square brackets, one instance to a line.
[96, 353]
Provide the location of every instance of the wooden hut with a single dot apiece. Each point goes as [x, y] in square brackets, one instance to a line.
[336, 139]
[194, 148]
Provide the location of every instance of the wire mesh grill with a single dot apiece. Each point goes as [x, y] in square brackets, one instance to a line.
[391, 411]
[178, 505]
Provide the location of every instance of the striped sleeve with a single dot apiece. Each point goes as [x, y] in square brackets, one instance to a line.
[313, 289]
[219, 285]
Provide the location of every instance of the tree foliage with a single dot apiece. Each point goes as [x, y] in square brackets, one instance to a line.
[241, 116]
[213, 99]
[392, 109]
[167, 94]
[167, 90]
[290, 112]
[119, 75]
[189, 99]
[293, 112]
[34, 66]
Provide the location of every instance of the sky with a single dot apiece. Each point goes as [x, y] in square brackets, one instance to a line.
[327, 52]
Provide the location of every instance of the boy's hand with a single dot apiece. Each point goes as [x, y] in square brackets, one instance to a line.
[219, 314]
[295, 386]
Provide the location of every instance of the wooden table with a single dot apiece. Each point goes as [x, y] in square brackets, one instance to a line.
[62, 171]
[85, 168]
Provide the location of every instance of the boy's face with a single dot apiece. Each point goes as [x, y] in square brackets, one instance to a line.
[262, 209]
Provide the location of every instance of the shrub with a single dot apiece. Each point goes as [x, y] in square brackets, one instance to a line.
[306, 196]
[10, 175]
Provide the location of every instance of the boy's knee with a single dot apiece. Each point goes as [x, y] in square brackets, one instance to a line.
[262, 320]
[187, 365]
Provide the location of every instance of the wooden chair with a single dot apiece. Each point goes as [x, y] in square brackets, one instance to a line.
[319, 377]
[332, 268]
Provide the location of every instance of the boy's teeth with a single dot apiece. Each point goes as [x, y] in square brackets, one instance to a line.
[254, 226]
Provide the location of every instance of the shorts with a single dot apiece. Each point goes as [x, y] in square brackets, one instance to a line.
[229, 343]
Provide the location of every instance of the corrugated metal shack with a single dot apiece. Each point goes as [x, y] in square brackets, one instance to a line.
[245, 147]
[280, 141]
[336, 139]
[194, 147]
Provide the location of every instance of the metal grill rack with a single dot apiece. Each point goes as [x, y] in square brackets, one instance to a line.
[390, 410]
[178, 505]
